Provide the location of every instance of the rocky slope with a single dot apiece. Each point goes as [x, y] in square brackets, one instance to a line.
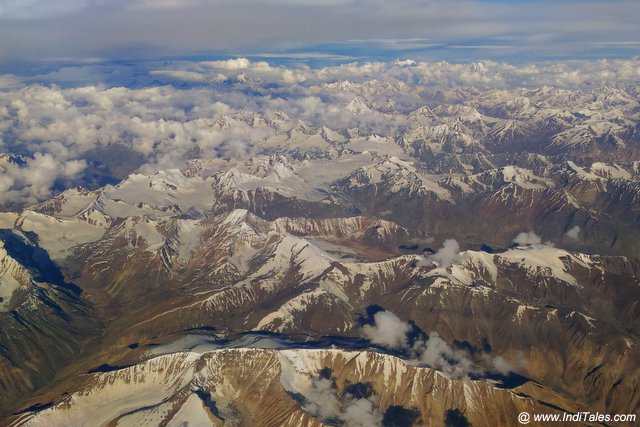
[475, 258]
[266, 387]
[558, 318]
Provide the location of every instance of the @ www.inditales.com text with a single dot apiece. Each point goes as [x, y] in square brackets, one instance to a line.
[526, 417]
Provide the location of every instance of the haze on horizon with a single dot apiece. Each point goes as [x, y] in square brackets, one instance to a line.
[35, 34]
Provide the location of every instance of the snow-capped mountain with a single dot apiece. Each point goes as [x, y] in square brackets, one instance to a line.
[314, 387]
[159, 258]
[497, 229]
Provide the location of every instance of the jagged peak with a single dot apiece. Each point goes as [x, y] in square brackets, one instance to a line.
[358, 106]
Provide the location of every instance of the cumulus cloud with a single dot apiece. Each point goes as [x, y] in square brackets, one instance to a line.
[388, 330]
[31, 180]
[361, 413]
[237, 64]
[574, 233]
[436, 353]
[393, 333]
[322, 400]
[445, 256]
[527, 239]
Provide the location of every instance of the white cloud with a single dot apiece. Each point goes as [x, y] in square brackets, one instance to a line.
[527, 239]
[237, 64]
[501, 365]
[173, 115]
[391, 332]
[191, 76]
[34, 180]
[436, 353]
[574, 233]
[388, 330]
[323, 402]
[445, 256]
[361, 413]
[322, 399]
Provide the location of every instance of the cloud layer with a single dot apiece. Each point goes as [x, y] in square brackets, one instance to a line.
[36, 29]
[164, 114]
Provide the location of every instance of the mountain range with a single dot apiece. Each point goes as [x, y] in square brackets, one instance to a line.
[476, 261]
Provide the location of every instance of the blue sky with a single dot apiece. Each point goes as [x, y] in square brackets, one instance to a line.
[36, 33]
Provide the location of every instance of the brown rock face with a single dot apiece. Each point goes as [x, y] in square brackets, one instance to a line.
[258, 387]
[559, 319]
[498, 231]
